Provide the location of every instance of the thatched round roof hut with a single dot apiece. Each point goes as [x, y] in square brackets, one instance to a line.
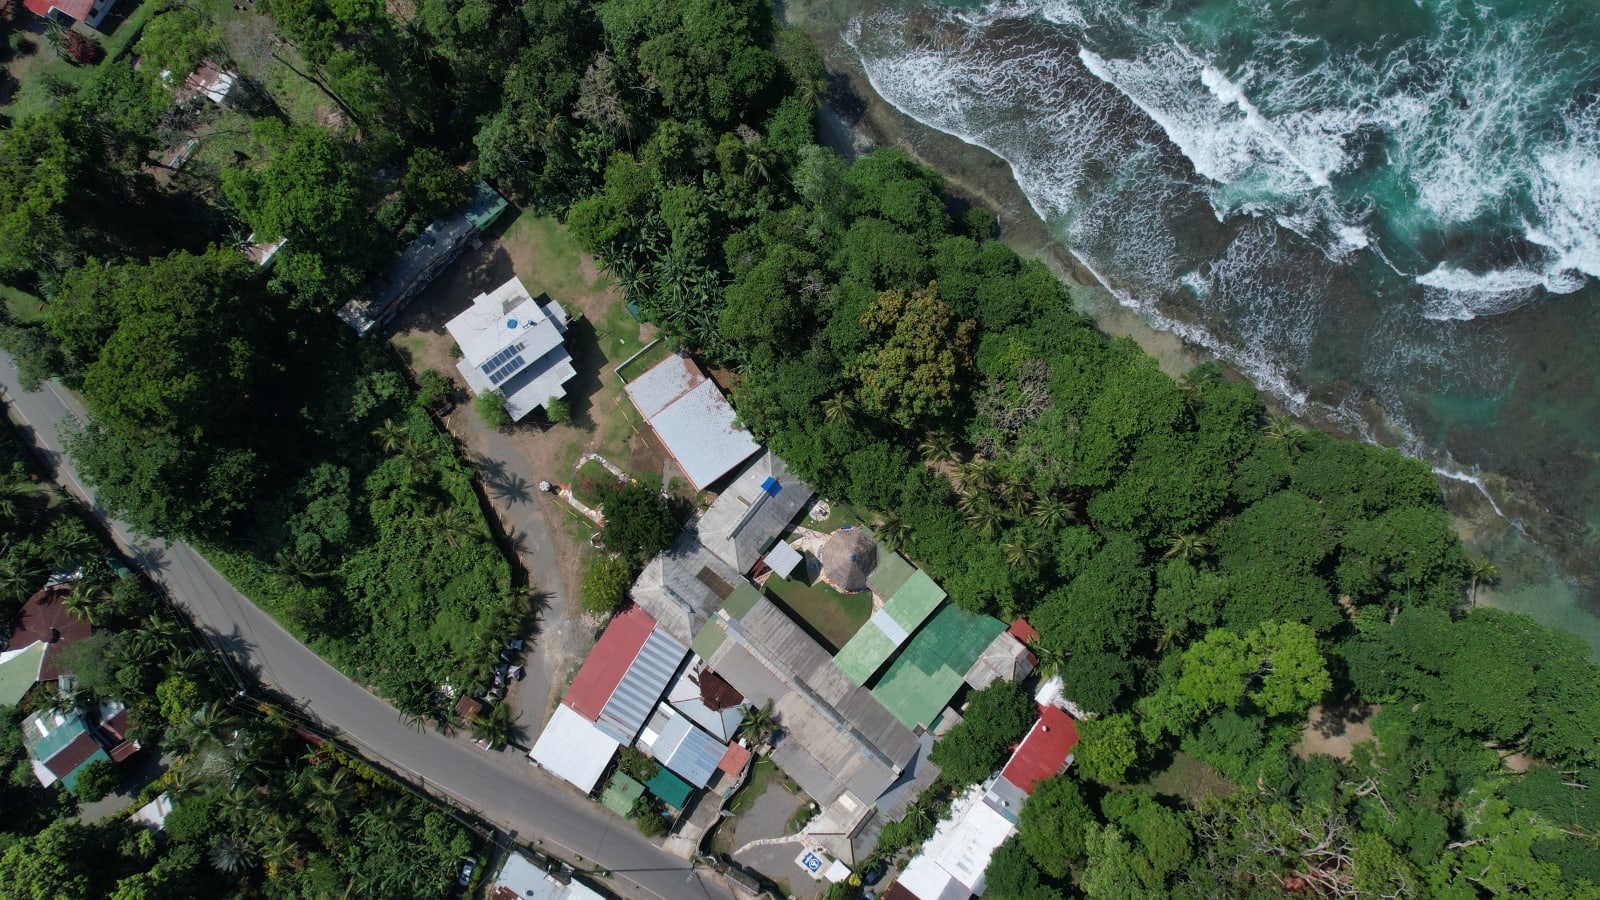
[848, 557]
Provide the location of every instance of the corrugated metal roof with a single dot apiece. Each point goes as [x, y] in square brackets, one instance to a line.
[931, 667]
[608, 663]
[1044, 752]
[693, 419]
[752, 513]
[685, 749]
[573, 749]
[645, 681]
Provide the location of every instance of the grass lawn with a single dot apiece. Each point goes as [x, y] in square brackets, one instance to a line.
[646, 360]
[1190, 779]
[22, 306]
[831, 616]
[33, 96]
[842, 514]
[591, 483]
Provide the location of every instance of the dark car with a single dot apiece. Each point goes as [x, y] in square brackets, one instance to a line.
[467, 868]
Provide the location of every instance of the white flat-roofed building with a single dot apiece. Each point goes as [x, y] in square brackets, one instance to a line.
[515, 344]
[952, 862]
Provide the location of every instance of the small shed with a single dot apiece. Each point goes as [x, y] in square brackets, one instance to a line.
[669, 788]
[621, 792]
[848, 557]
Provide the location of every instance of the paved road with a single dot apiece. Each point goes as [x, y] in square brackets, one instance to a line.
[502, 787]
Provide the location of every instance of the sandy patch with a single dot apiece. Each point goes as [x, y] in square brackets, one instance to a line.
[1333, 731]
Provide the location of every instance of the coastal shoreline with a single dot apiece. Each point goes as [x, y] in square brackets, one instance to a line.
[1492, 515]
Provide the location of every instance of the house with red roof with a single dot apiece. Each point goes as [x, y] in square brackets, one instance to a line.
[45, 619]
[89, 12]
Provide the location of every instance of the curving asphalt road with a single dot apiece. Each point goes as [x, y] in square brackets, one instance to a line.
[502, 788]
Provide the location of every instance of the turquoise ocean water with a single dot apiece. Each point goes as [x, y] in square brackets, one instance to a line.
[1385, 213]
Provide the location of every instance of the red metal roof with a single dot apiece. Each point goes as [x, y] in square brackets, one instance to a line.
[1043, 753]
[1022, 631]
[609, 662]
[733, 761]
[45, 618]
[73, 755]
[77, 9]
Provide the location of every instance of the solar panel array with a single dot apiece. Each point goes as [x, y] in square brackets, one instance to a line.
[506, 371]
[495, 361]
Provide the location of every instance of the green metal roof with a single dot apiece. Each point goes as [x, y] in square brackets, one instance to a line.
[19, 673]
[862, 656]
[485, 206]
[891, 572]
[620, 793]
[708, 640]
[931, 667]
[743, 599]
[672, 790]
[914, 601]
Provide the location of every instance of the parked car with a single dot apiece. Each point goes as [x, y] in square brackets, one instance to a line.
[516, 645]
[506, 656]
[518, 672]
[467, 868]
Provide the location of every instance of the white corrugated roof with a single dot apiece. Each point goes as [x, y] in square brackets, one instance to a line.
[646, 680]
[573, 749]
[693, 419]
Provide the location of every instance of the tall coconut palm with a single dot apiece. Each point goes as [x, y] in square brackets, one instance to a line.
[1281, 429]
[839, 408]
[1052, 512]
[451, 524]
[14, 495]
[229, 855]
[1188, 547]
[1483, 572]
[892, 531]
[987, 517]
[495, 728]
[84, 601]
[758, 723]
[976, 475]
[937, 449]
[1052, 659]
[390, 435]
[417, 457]
[1024, 551]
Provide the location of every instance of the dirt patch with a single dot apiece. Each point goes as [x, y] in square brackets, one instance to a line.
[1334, 730]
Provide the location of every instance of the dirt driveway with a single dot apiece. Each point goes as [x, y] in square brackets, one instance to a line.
[603, 335]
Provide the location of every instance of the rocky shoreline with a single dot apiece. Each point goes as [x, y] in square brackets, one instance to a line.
[1533, 546]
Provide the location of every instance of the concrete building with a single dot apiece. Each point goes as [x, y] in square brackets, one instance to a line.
[516, 344]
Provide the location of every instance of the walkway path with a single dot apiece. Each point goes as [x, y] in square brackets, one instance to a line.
[502, 787]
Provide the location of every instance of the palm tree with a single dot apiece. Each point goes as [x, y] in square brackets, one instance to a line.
[417, 457]
[1052, 659]
[229, 855]
[1052, 512]
[987, 517]
[56, 36]
[391, 435]
[495, 728]
[237, 805]
[1483, 572]
[918, 814]
[1188, 547]
[839, 408]
[758, 723]
[1023, 552]
[975, 475]
[757, 158]
[811, 92]
[451, 523]
[1013, 496]
[937, 449]
[83, 601]
[1280, 429]
[13, 495]
[893, 531]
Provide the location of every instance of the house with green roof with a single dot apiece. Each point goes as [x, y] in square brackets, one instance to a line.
[669, 788]
[59, 746]
[933, 665]
[916, 596]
